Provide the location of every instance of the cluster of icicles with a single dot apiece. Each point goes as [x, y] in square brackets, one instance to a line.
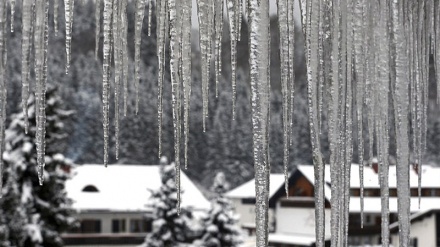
[360, 55]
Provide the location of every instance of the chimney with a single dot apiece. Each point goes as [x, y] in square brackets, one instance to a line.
[375, 165]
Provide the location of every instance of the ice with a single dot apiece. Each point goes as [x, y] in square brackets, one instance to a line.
[139, 20]
[40, 46]
[175, 88]
[98, 25]
[233, 33]
[3, 52]
[26, 56]
[108, 11]
[260, 88]
[12, 15]
[186, 71]
[55, 16]
[68, 10]
[401, 113]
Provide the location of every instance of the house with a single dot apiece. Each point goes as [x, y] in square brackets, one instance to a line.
[111, 203]
[243, 198]
[294, 217]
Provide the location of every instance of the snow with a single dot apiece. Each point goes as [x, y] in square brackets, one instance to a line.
[302, 240]
[371, 178]
[124, 188]
[247, 190]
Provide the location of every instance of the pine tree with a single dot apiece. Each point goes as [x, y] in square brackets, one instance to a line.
[34, 215]
[221, 224]
[170, 229]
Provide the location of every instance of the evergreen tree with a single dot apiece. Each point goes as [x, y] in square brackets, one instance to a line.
[34, 215]
[170, 229]
[221, 229]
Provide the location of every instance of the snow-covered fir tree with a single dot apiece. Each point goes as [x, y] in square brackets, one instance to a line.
[34, 215]
[170, 229]
[221, 223]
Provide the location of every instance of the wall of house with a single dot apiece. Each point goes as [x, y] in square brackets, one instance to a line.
[107, 217]
[299, 220]
[247, 213]
[422, 230]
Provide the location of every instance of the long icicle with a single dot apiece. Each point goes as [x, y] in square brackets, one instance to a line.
[401, 108]
[40, 44]
[97, 26]
[312, 59]
[283, 26]
[68, 12]
[186, 71]
[26, 57]
[3, 93]
[259, 61]
[175, 88]
[12, 15]
[139, 20]
[108, 12]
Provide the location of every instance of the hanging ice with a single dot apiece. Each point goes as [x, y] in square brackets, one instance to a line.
[3, 52]
[12, 15]
[260, 88]
[40, 46]
[139, 20]
[108, 11]
[68, 13]
[26, 57]
[98, 25]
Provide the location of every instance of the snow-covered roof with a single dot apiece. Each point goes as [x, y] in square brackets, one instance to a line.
[124, 188]
[373, 204]
[430, 176]
[295, 239]
[247, 190]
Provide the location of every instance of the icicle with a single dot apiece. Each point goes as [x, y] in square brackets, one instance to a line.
[312, 59]
[68, 10]
[358, 32]
[291, 51]
[108, 11]
[175, 88]
[401, 107]
[218, 27]
[150, 7]
[283, 25]
[117, 54]
[383, 72]
[205, 39]
[186, 70]
[161, 40]
[124, 52]
[232, 13]
[239, 18]
[26, 56]
[97, 26]
[335, 167]
[259, 74]
[12, 15]
[55, 16]
[139, 20]
[3, 94]
[40, 44]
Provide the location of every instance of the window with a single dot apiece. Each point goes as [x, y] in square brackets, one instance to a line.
[248, 201]
[90, 188]
[90, 226]
[118, 225]
[140, 225]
